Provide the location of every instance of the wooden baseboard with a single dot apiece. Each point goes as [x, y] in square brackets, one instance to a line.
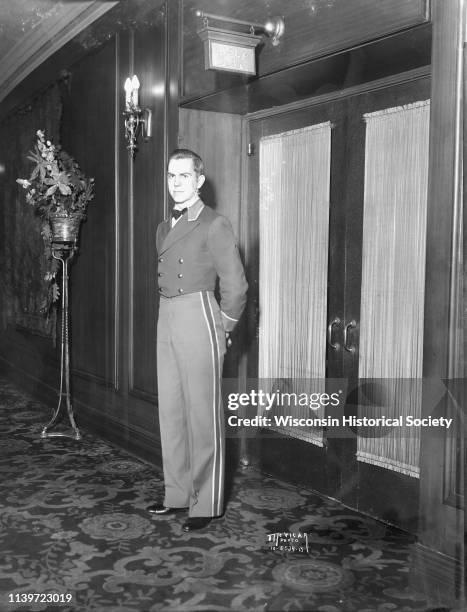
[135, 440]
[438, 576]
[37, 387]
[132, 439]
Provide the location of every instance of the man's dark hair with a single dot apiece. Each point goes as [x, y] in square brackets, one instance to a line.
[187, 154]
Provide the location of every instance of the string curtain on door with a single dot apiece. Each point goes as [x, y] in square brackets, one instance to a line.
[293, 272]
[393, 283]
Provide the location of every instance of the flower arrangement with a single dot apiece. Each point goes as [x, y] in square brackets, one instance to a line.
[56, 183]
[57, 186]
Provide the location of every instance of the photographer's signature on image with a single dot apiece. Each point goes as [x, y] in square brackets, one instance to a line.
[288, 541]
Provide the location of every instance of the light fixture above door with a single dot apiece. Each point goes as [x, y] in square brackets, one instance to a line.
[233, 50]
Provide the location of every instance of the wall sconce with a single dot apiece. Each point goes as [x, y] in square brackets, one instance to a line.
[232, 50]
[136, 119]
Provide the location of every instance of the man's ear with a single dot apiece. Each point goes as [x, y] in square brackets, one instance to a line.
[201, 179]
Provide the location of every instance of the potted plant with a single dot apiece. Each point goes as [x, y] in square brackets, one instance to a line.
[59, 193]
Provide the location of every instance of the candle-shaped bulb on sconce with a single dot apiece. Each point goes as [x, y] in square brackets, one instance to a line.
[128, 89]
[135, 87]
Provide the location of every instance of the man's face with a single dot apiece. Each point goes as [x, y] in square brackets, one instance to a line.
[182, 180]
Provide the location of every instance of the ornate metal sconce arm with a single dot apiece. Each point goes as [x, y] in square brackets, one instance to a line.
[132, 128]
[137, 121]
[274, 27]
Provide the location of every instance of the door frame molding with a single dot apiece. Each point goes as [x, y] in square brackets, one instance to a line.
[406, 80]
[375, 85]
[393, 79]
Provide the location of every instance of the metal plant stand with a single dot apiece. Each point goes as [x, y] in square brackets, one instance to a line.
[64, 253]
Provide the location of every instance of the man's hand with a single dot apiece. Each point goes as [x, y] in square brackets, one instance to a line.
[228, 339]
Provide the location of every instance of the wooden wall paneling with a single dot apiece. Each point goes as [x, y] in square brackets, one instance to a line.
[122, 178]
[112, 413]
[442, 524]
[100, 292]
[312, 30]
[118, 216]
[399, 53]
[126, 420]
[244, 443]
[173, 71]
[147, 210]
[32, 363]
[463, 372]
[217, 138]
[88, 134]
[130, 232]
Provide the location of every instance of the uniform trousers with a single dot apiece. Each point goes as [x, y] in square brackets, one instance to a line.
[190, 354]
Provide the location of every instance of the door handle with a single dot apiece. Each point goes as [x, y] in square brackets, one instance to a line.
[351, 325]
[336, 321]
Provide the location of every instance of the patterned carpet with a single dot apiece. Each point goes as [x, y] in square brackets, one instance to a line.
[73, 525]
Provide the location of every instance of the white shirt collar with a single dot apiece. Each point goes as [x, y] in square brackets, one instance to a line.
[193, 212]
[188, 203]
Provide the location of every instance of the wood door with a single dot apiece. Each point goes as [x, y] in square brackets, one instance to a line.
[333, 468]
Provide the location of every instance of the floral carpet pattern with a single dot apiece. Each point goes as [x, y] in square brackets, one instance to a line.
[73, 523]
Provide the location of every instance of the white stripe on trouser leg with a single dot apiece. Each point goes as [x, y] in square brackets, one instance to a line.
[215, 382]
[217, 412]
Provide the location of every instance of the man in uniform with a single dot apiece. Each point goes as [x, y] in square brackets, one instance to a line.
[196, 247]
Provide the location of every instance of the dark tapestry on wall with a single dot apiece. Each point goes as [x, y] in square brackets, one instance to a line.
[22, 290]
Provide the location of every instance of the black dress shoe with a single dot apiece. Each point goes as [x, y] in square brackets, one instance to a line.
[196, 522]
[161, 509]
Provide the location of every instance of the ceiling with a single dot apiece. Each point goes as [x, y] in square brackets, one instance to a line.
[32, 30]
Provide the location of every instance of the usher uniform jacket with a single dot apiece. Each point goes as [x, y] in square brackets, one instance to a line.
[199, 249]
